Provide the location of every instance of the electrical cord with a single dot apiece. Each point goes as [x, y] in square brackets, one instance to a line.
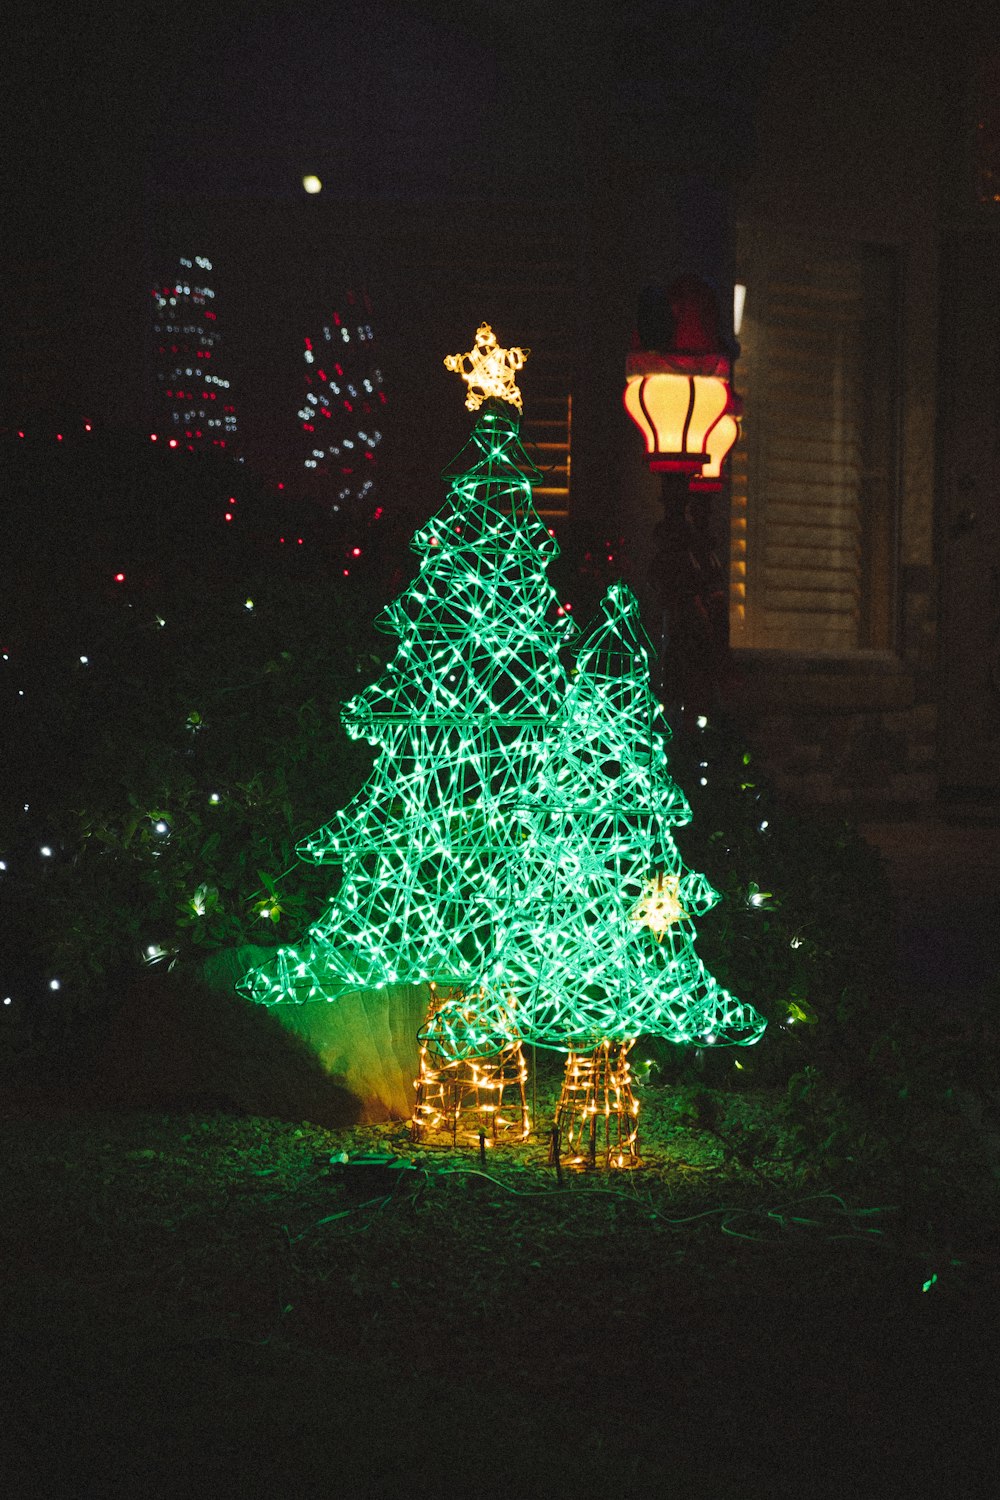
[774, 1214]
[780, 1215]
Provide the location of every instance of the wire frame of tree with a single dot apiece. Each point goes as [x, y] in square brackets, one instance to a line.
[514, 838]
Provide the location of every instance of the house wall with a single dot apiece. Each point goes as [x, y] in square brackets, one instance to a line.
[849, 140]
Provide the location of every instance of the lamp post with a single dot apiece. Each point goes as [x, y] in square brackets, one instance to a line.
[680, 396]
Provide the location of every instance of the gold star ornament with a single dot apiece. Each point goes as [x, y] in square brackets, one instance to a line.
[659, 906]
[488, 370]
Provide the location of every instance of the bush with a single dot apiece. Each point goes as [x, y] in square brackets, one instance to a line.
[183, 724]
[804, 928]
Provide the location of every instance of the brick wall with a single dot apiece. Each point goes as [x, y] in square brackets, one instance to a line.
[857, 734]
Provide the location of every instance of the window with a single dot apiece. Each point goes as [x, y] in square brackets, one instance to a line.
[813, 491]
[547, 434]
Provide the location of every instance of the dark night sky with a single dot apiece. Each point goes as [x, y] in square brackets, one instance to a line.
[84, 89]
[391, 98]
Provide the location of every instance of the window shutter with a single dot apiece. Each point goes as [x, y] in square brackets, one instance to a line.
[811, 486]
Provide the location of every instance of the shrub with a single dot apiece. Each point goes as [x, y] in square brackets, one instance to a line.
[183, 725]
[804, 927]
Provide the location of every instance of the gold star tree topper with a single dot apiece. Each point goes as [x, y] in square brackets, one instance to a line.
[659, 906]
[488, 370]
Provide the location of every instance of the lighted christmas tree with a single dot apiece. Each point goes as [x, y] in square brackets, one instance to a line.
[600, 944]
[341, 413]
[431, 848]
[513, 845]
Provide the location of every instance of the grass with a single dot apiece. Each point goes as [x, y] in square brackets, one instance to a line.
[207, 1304]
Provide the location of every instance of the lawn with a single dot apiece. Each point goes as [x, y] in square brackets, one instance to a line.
[211, 1304]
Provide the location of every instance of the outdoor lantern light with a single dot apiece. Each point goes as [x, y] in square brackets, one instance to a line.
[678, 392]
[678, 388]
[688, 419]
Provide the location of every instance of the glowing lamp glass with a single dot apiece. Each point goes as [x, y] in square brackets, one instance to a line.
[684, 421]
[719, 442]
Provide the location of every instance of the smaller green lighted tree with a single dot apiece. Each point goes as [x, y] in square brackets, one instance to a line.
[600, 945]
[599, 948]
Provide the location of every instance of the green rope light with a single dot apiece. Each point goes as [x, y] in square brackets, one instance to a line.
[463, 716]
[513, 837]
[600, 944]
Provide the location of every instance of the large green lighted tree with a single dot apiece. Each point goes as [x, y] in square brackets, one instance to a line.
[600, 944]
[463, 716]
